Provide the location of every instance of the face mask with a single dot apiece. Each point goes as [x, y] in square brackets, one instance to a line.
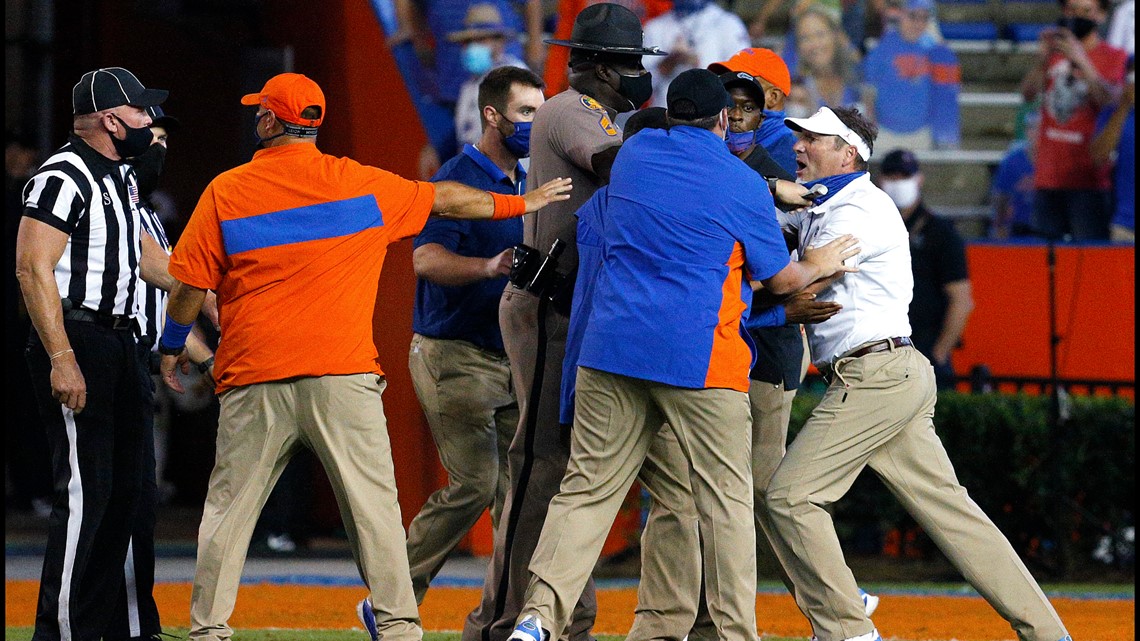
[477, 59]
[518, 142]
[682, 8]
[148, 167]
[635, 89]
[261, 141]
[738, 142]
[903, 192]
[1080, 27]
[136, 142]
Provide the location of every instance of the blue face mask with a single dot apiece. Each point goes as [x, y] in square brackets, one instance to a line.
[518, 143]
[738, 142]
[477, 59]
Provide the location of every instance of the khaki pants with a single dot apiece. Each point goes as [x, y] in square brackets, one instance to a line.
[878, 412]
[470, 407]
[341, 419]
[534, 336]
[616, 422]
[670, 602]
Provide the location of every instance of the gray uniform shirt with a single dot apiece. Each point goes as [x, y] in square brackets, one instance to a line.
[568, 130]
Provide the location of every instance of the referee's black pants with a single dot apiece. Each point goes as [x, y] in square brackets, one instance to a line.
[136, 614]
[98, 456]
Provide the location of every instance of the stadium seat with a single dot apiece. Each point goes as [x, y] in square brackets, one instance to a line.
[969, 31]
[1025, 32]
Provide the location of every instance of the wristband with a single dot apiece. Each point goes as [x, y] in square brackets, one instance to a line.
[173, 336]
[507, 206]
[771, 180]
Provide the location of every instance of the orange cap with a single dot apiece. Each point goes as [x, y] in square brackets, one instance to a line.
[287, 95]
[761, 63]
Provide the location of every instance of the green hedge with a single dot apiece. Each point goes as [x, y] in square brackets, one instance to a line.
[1053, 495]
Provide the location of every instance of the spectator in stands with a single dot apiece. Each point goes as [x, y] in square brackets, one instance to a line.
[1115, 143]
[826, 66]
[428, 24]
[1012, 192]
[912, 83]
[1077, 74]
[1122, 27]
[942, 298]
[696, 33]
[484, 41]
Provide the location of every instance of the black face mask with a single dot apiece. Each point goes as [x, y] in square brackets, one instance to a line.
[136, 142]
[148, 167]
[1080, 27]
[635, 89]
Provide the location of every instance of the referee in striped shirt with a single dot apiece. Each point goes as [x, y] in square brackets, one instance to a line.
[79, 255]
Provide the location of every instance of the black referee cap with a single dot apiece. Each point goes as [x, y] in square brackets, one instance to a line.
[112, 87]
[159, 118]
[696, 94]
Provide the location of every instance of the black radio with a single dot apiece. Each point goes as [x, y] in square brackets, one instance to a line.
[535, 272]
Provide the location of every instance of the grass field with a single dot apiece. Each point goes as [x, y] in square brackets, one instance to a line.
[907, 612]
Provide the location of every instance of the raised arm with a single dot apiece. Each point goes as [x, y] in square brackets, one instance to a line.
[456, 200]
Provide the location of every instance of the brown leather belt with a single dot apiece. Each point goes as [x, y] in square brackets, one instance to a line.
[880, 346]
[870, 348]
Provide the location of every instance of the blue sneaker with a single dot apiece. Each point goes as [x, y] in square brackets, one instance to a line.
[529, 629]
[870, 602]
[367, 618]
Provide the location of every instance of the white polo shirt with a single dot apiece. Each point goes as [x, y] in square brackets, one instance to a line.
[875, 299]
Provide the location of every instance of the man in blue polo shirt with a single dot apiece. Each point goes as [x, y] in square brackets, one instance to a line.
[664, 343]
[913, 83]
[458, 366]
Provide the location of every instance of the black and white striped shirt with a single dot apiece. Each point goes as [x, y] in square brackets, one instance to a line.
[95, 201]
[151, 302]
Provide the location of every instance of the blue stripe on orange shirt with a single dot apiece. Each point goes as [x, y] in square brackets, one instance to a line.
[302, 224]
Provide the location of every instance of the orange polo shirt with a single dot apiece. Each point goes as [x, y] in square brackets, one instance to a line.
[293, 243]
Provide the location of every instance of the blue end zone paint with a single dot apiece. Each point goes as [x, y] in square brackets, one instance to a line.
[313, 222]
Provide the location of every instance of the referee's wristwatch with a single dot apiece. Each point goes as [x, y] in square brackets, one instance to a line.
[170, 351]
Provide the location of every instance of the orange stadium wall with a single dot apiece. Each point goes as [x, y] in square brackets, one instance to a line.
[1095, 305]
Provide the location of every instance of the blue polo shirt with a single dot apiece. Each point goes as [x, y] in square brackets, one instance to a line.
[590, 252]
[468, 312]
[684, 220]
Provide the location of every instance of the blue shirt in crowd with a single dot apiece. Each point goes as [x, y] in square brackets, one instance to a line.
[684, 219]
[445, 17]
[916, 85]
[1014, 180]
[1124, 172]
[468, 312]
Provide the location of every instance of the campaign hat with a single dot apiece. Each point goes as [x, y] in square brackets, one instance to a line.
[112, 87]
[608, 28]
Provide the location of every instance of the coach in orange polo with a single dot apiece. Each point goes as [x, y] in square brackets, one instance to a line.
[293, 242]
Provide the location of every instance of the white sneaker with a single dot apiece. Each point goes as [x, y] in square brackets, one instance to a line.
[529, 629]
[870, 602]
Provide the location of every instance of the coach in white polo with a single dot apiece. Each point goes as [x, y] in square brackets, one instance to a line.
[878, 409]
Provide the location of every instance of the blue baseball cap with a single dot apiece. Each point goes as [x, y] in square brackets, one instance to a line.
[919, 5]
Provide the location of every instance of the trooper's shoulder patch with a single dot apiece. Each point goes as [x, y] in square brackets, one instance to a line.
[590, 103]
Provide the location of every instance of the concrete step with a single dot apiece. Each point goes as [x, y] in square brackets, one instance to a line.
[989, 115]
[996, 64]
